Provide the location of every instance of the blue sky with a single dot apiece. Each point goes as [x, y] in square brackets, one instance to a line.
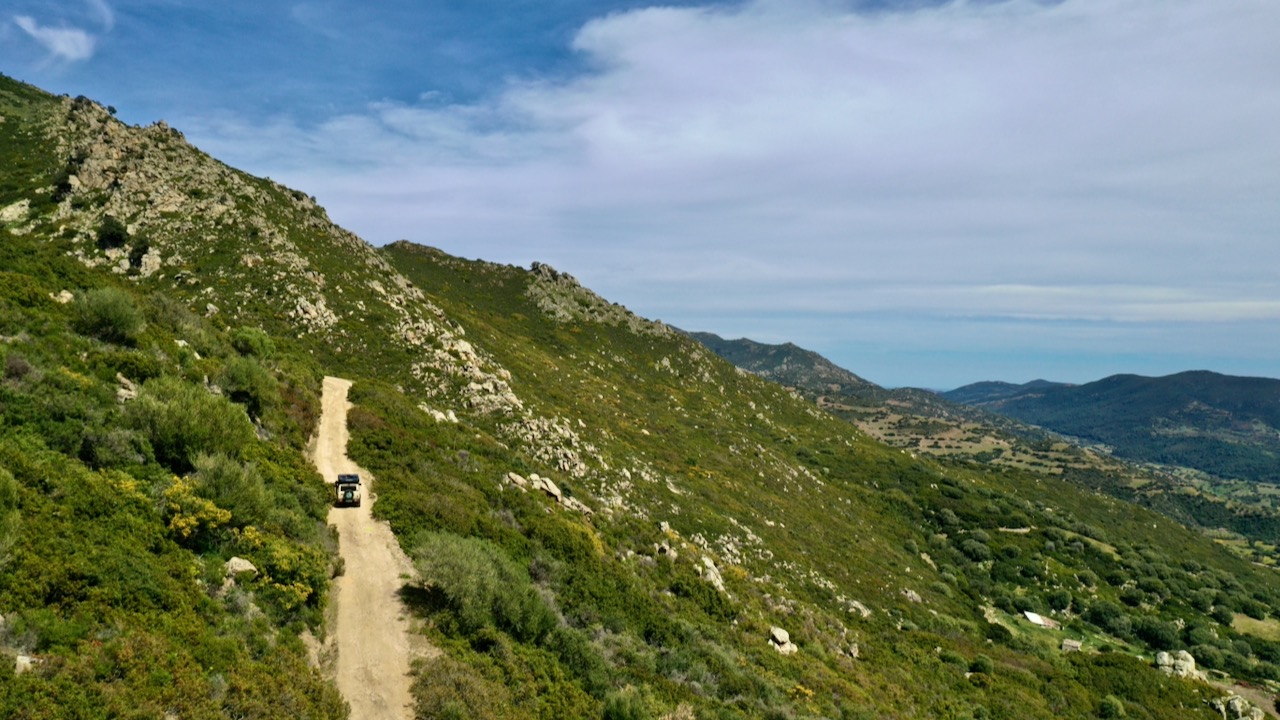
[929, 193]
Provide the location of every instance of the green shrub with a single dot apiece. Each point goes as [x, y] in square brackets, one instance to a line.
[183, 421]
[1156, 633]
[448, 689]
[1059, 600]
[114, 447]
[581, 658]
[982, 664]
[112, 233]
[1111, 707]
[626, 704]
[1223, 615]
[252, 342]
[8, 513]
[248, 383]
[108, 314]
[482, 586]
[232, 486]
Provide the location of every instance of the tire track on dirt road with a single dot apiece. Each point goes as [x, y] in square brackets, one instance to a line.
[371, 631]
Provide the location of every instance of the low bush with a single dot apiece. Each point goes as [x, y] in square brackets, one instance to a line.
[252, 342]
[482, 586]
[108, 314]
[183, 421]
[248, 383]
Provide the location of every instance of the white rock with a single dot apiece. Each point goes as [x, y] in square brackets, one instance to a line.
[781, 640]
[711, 574]
[237, 565]
[23, 663]
[548, 487]
[150, 263]
[16, 211]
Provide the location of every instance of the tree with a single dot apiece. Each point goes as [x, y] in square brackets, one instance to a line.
[112, 233]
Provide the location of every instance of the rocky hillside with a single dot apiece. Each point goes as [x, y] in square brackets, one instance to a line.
[610, 520]
[785, 364]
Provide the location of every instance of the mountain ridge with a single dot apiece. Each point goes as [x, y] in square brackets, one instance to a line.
[1221, 424]
[610, 520]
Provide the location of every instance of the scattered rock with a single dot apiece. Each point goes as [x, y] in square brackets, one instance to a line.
[15, 212]
[439, 416]
[854, 651]
[861, 609]
[63, 297]
[546, 486]
[23, 663]
[518, 481]
[149, 263]
[575, 504]
[912, 595]
[1179, 664]
[711, 574]
[1234, 707]
[127, 391]
[237, 565]
[781, 640]
[665, 550]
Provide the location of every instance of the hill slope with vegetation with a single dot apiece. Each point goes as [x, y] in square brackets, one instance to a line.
[609, 520]
[1223, 425]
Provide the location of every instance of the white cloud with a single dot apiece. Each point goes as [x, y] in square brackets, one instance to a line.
[1086, 159]
[70, 44]
[103, 13]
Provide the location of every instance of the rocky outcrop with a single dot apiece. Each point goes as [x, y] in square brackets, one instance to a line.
[127, 389]
[1234, 707]
[711, 574]
[1179, 664]
[564, 300]
[184, 209]
[546, 486]
[16, 212]
[553, 442]
[781, 641]
[549, 488]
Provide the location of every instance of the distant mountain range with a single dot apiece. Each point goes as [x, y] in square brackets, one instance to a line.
[1223, 425]
[982, 393]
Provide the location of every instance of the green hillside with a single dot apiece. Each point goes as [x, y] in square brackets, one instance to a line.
[1223, 425]
[154, 426]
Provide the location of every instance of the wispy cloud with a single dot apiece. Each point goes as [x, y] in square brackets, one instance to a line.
[1081, 160]
[69, 43]
[65, 43]
[103, 13]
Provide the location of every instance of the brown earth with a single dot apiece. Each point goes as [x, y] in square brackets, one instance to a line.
[370, 630]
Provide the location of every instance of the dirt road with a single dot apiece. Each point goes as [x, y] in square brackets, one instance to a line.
[371, 632]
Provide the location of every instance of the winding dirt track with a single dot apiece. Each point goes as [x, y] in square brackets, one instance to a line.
[371, 632]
